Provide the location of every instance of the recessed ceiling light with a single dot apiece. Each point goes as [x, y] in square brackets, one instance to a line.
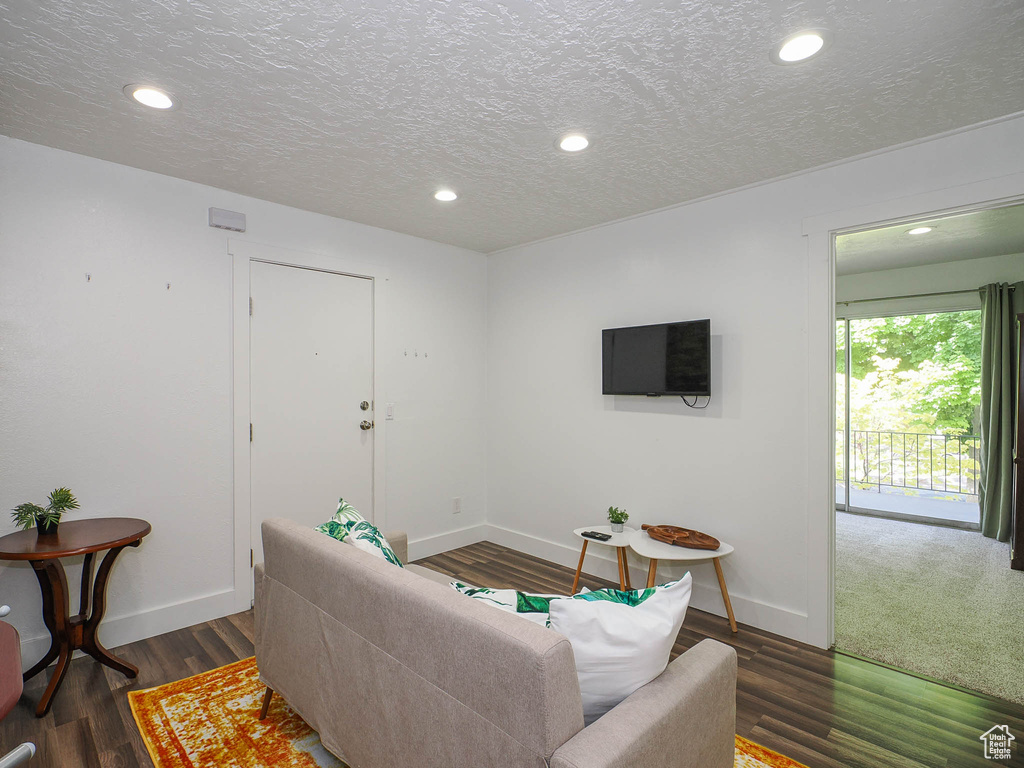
[919, 231]
[574, 142]
[801, 46]
[149, 96]
[445, 195]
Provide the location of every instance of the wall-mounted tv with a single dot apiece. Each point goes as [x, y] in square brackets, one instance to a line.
[666, 359]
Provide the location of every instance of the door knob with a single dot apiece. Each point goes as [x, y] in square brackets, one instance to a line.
[364, 425]
[364, 406]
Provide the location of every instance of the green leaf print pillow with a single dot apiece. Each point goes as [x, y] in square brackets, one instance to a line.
[349, 526]
[531, 607]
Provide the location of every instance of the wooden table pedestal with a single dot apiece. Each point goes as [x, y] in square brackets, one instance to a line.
[70, 633]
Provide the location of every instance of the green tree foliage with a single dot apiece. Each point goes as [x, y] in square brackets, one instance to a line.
[913, 373]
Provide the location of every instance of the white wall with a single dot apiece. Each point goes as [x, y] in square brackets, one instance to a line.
[122, 389]
[966, 275]
[560, 452]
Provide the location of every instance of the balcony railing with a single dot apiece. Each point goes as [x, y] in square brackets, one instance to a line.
[949, 463]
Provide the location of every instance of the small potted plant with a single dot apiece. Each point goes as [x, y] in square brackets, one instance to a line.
[46, 518]
[617, 517]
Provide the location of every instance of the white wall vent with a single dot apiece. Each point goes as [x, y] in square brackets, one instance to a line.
[227, 220]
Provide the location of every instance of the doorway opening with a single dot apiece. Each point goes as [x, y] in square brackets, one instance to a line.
[917, 585]
[303, 363]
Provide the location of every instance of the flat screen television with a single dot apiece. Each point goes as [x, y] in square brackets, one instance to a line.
[666, 359]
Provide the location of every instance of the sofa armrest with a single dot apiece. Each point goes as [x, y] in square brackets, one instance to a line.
[399, 541]
[684, 718]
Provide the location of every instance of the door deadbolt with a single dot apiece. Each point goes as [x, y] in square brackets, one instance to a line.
[365, 425]
[364, 406]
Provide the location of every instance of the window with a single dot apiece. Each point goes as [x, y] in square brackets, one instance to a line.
[907, 416]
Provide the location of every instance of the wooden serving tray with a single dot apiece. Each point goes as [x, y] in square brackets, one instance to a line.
[681, 537]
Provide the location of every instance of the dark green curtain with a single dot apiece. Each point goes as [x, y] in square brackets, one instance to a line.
[1000, 304]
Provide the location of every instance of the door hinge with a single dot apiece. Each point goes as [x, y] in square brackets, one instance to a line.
[250, 431]
[250, 306]
[250, 558]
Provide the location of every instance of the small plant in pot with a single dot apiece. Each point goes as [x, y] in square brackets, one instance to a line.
[46, 518]
[617, 517]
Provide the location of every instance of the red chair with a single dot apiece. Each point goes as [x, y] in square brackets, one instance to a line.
[11, 686]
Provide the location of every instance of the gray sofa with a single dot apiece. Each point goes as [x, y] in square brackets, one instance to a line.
[395, 669]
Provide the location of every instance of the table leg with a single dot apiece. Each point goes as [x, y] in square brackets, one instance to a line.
[579, 568]
[59, 670]
[49, 619]
[84, 601]
[56, 615]
[725, 594]
[90, 642]
[42, 572]
[625, 566]
[622, 573]
[652, 571]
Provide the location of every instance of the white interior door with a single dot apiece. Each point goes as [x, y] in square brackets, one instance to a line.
[311, 367]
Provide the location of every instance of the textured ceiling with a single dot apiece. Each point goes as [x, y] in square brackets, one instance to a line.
[975, 235]
[361, 109]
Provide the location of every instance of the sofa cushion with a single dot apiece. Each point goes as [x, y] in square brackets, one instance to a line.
[620, 640]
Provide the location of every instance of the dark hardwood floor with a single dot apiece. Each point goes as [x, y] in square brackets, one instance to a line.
[824, 709]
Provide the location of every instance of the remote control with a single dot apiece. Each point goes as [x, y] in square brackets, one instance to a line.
[596, 535]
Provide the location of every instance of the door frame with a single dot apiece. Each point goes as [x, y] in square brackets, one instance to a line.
[819, 234]
[243, 253]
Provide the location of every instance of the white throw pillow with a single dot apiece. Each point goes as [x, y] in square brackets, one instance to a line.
[620, 640]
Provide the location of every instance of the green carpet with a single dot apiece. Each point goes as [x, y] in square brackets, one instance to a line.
[937, 601]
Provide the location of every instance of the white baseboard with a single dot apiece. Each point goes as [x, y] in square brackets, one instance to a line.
[121, 630]
[706, 594]
[442, 542]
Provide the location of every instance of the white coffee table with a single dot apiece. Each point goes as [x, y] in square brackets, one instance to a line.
[618, 540]
[653, 550]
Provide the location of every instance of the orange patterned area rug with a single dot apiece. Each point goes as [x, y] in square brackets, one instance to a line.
[212, 721]
[751, 755]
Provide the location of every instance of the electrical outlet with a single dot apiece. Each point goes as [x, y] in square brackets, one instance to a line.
[457, 505]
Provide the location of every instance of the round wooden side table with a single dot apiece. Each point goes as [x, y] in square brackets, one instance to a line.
[69, 633]
[618, 540]
[654, 551]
